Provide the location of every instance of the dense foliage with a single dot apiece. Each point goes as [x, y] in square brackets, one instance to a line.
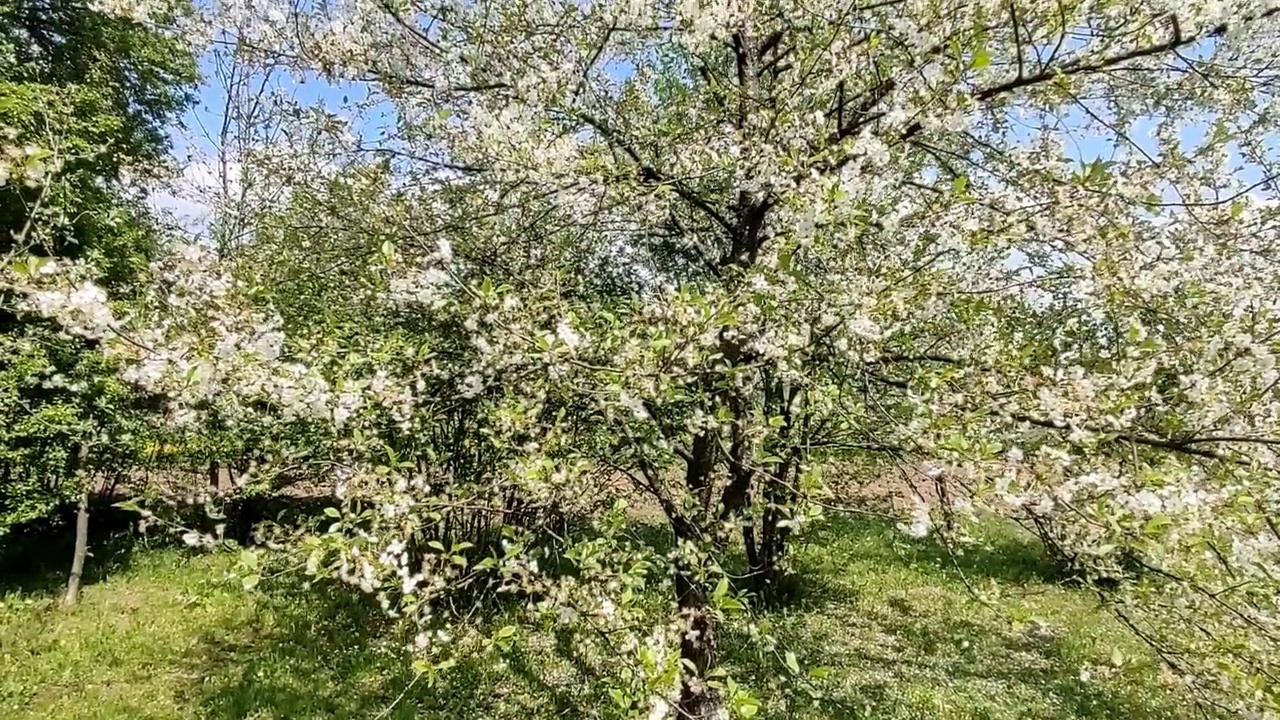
[84, 100]
[705, 249]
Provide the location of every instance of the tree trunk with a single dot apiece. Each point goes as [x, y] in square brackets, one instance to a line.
[699, 648]
[766, 545]
[764, 554]
[220, 479]
[698, 644]
[82, 549]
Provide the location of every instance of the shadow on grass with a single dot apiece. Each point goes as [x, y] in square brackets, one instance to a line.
[243, 515]
[1007, 558]
[303, 654]
[843, 542]
[654, 534]
[330, 652]
[892, 660]
[902, 638]
[35, 559]
[887, 615]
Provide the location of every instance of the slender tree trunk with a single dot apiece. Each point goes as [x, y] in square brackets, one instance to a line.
[699, 650]
[698, 644]
[764, 550]
[82, 549]
[766, 545]
[215, 476]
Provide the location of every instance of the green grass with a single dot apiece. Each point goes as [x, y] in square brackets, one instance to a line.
[164, 635]
[906, 637]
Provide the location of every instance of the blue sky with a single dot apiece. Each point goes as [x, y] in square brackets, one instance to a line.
[205, 116]
[310, 90]
[194, 137]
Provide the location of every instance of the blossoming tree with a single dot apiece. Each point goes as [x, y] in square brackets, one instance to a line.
[710, 246]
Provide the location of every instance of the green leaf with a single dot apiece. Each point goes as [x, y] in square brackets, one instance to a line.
[250, 581]
[619, 698]
[722, 588]
[1097, 171]
[332, 512]
[1156, 524]
[792, 664]
[131, 505]
[981, 59]
[784, 261]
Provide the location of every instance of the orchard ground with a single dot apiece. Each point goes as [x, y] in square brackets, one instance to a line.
[884, 627]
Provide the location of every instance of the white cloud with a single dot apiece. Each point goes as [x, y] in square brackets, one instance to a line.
[191, 199]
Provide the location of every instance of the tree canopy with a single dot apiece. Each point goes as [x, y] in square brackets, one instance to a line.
[85, 101]
[1020, 254]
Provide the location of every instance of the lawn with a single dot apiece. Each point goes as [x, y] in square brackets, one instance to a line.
[906, 630]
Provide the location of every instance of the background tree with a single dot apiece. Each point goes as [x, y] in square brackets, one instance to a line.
[85, 97]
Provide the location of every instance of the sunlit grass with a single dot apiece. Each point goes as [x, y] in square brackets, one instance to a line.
[905, 631]
[911, 632]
